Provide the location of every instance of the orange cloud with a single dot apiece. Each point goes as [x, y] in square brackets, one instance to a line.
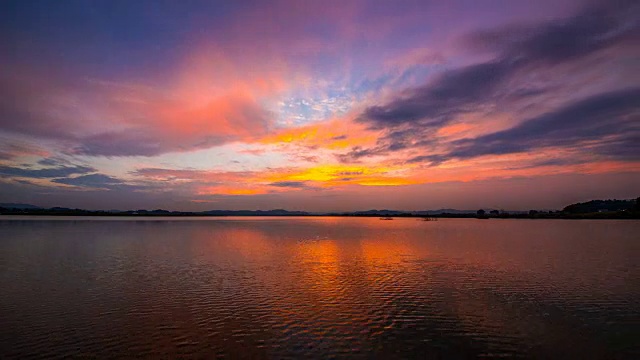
[185, 119]
[334, 134]
[227, 190]
[12, 150]
[211, 98]
[338, 175]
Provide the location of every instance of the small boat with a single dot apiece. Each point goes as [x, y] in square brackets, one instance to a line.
[429, 219]
[386, 218]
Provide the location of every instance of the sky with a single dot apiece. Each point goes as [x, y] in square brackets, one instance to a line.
[319, 105]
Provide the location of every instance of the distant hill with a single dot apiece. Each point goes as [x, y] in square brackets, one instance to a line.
[276, 212]
[444, 211]
[386, 212]
[594, 209]
[595, 206]
[376, 213]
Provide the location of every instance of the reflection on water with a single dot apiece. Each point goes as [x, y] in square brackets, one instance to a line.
[319, 287]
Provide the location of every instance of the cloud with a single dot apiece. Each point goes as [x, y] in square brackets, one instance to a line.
[599, 26]
[152, 124]
[464, 89]
[389, 143]
[63, 171]
[192, 175]
[37, 103]
[624, 147]
[454, 92]
[610, 118]
[289, 184]
[10, 150]
[51, 162]
[92, 181]
[533, 69]
[556, 161]
[358, 152]
[180, 112]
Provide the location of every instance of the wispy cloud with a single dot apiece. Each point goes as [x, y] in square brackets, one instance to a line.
[95, 181]
[44, 173]
[526, 65]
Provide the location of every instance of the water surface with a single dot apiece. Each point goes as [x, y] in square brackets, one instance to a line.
[318, 287]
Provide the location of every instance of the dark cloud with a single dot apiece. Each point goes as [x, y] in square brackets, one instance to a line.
[62, 171]
[125, 143]
[390, 142]
[290, 184]
[11, 149]
[454, 92]
[611, 118]
[519, 51]
[54, 161]
[358, 152]
[49, 162]
[511, 82]
[93, 181]
[599, 26]
[624, 148]
[432, 159]
[551, 162]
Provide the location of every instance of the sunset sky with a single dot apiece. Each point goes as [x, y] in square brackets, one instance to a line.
[319, 105]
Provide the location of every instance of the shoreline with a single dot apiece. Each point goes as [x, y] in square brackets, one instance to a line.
[594, 216]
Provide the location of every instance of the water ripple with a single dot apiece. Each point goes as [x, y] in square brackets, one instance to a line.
[353, 288]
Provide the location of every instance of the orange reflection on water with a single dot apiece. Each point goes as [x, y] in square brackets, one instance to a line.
[387, 252]
[230, 243]
[327, 285]
[319, 261]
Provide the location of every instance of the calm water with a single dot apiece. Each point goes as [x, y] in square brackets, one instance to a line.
[319, 287]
